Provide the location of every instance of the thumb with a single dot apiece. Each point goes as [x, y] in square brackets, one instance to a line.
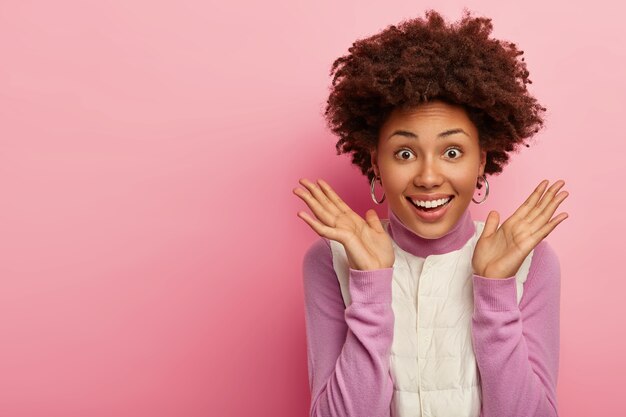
[491, 224]
[371, 217]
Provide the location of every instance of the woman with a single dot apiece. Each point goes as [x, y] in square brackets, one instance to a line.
[430, 313]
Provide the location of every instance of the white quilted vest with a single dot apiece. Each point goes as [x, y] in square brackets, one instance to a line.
[432, 363]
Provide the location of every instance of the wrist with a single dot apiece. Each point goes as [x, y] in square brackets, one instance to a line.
[494, 273]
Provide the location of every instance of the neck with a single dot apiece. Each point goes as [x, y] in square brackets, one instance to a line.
[416, 245]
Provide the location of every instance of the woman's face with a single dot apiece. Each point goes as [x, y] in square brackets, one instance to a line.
[430, 152]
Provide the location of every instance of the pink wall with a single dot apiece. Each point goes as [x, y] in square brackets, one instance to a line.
[150, 250]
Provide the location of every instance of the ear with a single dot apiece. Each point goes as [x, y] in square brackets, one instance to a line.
[483, 162]
[374, 161]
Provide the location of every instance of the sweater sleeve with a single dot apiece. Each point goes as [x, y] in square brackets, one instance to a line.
[517, 347]
[348, 349]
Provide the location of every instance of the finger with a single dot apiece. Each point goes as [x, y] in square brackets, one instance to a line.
[491, 224]
[545, 215]
[531, 201]
[371, 217]
[545, 200]
[332, 196]
[320, 196]
[320, 228]
[547, 228]
[320, 211]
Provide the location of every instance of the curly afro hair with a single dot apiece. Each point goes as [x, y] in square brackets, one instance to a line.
[428, 59]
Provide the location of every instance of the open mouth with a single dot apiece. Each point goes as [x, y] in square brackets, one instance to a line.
[429, 209]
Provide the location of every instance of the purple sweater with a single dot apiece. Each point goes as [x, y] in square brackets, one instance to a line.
[348, 349]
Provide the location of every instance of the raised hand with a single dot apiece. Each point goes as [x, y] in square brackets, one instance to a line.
[367, 245]
[499, 252]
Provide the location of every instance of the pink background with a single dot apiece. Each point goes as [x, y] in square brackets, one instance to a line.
[150, 251]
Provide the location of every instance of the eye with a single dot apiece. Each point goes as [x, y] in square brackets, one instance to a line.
[404, 154]
[453, 153]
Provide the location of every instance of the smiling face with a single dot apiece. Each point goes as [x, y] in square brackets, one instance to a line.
[430, 152]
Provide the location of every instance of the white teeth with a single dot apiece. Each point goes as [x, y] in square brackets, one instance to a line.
[433, 203]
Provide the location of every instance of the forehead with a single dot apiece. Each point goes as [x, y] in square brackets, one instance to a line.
[428, 124]
[431, 116]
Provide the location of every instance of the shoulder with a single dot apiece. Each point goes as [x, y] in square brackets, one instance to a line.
[544, 260]
[321, 286]
[543, 284]
[317, 253]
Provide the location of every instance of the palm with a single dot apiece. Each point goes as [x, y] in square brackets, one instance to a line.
[502, 250]
[370, 243]
[367, 244]
[499, 252]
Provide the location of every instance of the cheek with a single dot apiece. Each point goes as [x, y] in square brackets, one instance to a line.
[465, 183]
[396, 178]
[397, 184]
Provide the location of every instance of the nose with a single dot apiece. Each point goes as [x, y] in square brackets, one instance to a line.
[428, 174]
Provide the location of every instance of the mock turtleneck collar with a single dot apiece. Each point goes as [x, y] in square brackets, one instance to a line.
[416, 245]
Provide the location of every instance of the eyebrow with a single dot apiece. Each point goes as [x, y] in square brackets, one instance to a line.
[443, 134]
